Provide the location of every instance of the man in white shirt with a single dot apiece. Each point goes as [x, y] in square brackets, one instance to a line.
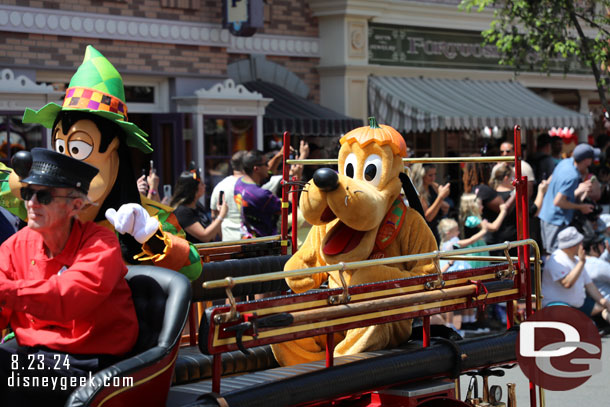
[564, 281]
[231, 223]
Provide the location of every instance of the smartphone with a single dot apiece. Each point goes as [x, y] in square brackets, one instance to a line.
[152, 166]
[167, 190]
[221, 197]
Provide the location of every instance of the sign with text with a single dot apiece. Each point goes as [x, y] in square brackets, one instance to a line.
[434, 48]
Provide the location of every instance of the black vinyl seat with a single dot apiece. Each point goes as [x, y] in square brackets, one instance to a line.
[162, 299]
[192, 365]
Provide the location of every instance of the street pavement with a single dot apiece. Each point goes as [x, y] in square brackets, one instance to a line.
[594, 392]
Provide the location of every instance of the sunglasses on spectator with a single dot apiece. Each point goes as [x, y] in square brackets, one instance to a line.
[506, 151]
[44, 196]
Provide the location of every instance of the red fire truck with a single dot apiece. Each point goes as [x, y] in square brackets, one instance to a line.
[225, 358]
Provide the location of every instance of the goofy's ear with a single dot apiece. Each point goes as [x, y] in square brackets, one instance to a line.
[411, 193]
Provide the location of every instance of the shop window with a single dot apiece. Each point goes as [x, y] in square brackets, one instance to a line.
[139, 94]
[16, 136]
[224, 136]
[420, 143]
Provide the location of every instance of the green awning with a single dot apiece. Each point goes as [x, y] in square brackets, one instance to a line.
[427, 104]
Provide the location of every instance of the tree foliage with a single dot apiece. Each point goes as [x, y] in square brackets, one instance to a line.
[549, 34]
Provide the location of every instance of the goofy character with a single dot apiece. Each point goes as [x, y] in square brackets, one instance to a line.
[91, 126]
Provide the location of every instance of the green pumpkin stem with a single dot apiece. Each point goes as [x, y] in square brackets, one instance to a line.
[373, 123]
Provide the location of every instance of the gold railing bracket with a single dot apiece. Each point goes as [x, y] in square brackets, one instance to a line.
[232, 315]
[344, 297]
[439, 283]
[510, 271]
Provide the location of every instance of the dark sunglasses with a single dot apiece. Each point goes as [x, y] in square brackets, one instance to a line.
[44, 196]
[506, 151]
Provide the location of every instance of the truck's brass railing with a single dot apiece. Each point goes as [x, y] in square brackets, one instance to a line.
[436, 160]
[229, 281]
[237, 242]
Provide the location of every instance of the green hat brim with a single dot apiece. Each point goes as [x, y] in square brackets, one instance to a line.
[135, 137]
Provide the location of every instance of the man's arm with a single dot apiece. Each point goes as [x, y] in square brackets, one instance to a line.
[569, 280]
[597, 296]
[562, 202]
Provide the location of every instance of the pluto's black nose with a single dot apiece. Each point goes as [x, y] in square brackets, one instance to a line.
[326, 179]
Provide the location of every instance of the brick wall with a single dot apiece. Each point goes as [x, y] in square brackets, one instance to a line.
[36, 51]
[286, 17]
[205, 11]
[290, 17]
[40, 51]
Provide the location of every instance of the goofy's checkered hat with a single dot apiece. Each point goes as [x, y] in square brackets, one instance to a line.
[97, 88]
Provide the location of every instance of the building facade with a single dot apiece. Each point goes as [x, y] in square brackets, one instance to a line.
[369, 47]
[181, 69]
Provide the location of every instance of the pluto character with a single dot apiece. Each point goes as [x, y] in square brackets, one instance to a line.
[358, 214]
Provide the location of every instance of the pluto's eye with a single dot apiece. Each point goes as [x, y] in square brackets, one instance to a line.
[349, 168]
[79, 149]
[372, 169]
[60, 146]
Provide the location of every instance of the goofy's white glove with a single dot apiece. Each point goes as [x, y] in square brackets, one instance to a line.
[133, 219]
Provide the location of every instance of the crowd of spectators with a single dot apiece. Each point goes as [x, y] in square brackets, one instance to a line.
[569, 204]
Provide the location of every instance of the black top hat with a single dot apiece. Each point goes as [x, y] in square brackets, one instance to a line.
[52, 169]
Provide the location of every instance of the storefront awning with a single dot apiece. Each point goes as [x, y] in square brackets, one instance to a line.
[293, 113]
[426, 104]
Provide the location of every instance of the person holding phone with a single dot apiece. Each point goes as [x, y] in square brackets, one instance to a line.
[148, 185]
[191, 214]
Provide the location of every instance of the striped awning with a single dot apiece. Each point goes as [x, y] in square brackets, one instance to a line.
[427, 104]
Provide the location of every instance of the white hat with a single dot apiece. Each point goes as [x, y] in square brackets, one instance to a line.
[569, 237]
[606, 219]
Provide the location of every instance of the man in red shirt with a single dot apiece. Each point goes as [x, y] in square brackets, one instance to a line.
[62, 289]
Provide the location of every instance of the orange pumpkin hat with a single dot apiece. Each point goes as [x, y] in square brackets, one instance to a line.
[380, 134]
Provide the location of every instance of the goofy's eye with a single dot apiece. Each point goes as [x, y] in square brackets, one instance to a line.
[372, 169]
[349, 168]
[60, 146]
[79, 149]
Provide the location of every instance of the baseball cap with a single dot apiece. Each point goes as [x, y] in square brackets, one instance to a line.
[584, 151]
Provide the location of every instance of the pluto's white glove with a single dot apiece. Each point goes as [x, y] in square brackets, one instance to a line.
[133, 219]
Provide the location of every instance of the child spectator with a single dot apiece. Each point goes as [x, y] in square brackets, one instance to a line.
[471, 221]
[449, 232]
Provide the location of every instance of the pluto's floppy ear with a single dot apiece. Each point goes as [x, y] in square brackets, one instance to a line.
[411, 193]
